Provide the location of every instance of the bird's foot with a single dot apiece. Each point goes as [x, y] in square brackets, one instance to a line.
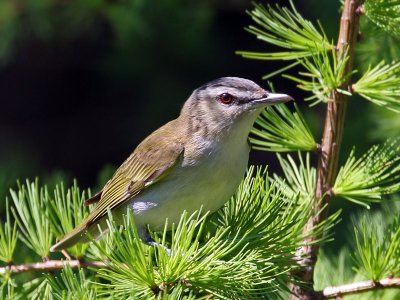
[146, 238]
[153, 243]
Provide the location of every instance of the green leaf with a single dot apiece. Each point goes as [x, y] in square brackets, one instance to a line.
[368, 178]
[30, 204]
[286, 28]
[333, 269]
[385, 123]
[37, 289]
[374, 46]
[300, 178]
[8, 238]
[222, 265]
[384, 13]
[260, 212]
[141, 271]
[381, 85]
[130, 271]
[377, 246]
[299, 181]
[278, 129]
[66, 210]
[72, 286]
[8, 288]
[325, 74]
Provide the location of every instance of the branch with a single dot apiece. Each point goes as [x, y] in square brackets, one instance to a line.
[50, 265]
[330, 150]
[359, 287]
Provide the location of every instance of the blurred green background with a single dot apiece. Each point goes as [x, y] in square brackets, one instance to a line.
[83, 82]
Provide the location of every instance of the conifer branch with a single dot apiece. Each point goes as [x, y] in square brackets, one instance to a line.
[280, 130]
[380, 85]
[358, 287]
[384, 13]
[50, 265]
[368, 178]
[286, 28]
[330, 149]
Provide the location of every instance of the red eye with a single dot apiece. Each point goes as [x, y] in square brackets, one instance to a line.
[226, 98]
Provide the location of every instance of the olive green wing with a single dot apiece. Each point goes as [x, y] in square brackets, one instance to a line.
[95, 198]
[146, 165]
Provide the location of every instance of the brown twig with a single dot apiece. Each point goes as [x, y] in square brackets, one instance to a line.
[66, 254]
[359, 287]
[329, 151]
[50, 265]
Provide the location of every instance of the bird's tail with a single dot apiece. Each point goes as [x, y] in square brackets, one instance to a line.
[78, 235]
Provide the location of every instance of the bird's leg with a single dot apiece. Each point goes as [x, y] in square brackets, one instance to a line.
[147, 239]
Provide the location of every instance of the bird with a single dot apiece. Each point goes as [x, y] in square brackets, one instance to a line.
[194, 161]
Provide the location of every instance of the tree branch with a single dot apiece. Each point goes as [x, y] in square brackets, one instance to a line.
[50, 265]
[359, 287]
[330, 150]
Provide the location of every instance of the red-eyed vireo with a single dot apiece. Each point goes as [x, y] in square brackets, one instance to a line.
[194, 161]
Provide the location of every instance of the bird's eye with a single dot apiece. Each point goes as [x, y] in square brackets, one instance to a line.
[226, 98]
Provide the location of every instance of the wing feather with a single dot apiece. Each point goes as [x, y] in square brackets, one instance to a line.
[150, 161]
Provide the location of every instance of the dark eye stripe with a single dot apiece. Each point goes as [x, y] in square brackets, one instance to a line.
[244, 100]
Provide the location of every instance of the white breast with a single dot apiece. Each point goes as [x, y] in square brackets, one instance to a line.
[207, 182]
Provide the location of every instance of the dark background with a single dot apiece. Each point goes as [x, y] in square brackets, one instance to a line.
[81, 84]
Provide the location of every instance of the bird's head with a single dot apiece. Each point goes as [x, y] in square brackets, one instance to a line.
[223, 102]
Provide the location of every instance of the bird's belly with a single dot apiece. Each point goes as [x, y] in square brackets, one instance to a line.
[207, 185]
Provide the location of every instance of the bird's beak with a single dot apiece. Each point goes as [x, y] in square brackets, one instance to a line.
[271, 99]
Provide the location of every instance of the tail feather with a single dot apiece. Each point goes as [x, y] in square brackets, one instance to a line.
[78, 235]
